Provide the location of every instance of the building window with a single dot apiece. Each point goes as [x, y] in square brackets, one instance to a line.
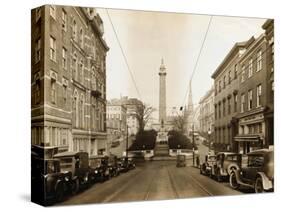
[81, 71]
[259, 61]
[64, 20]
[224, 81]
[74, 66]
[53, 91]
[223, 108]
[258, 95]
[243, 74]
[64, 58]
[64, 94]
[37, 50]
[250, 72]
[242, 103]
[235, 71]
[235, 102]
[81, 38]
[53, 11]
[229, 77]
[219, 86]
[219, 110]
[229, 106]
[52, 48]
[250, 99]
[74, 29]
[37, 14]
[37, 92]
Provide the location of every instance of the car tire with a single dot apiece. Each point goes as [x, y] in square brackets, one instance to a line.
[59, 192]
[76, 186]
[233, 181]
[259, 185]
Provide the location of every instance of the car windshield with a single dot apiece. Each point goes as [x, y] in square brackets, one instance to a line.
[232, 157]
[255, 160]
[66, 164]
[212, 158]
[51, 167]
[95, 163]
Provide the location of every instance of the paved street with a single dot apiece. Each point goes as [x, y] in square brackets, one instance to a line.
[153, 181]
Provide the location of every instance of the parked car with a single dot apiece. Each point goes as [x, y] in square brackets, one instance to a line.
[125, 164]
[225, 163]
[131, 163]
[181, 162]
[48, 183]
[113, 166]
[258, 174]
[207, 166]
[99, 168]
[76, 163]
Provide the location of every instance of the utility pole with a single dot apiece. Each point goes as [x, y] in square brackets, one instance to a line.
[127, 140]
[193, 158]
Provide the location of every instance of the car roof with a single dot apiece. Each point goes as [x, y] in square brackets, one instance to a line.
[228, 153]
[260, 152]
[68, 154]
[97, 157]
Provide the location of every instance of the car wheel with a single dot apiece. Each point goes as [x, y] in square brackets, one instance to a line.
[259, 185]
[76, 186]
[233, 181]
[59, 192]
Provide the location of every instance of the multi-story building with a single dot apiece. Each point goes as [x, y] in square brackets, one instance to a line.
[132, 105]
[68, 79]
[206, 112]
[268, 26]
[254, 92]
[116, 127]
[226, 97]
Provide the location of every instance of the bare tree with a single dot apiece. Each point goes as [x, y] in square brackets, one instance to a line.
[143, 114]
[179, 122]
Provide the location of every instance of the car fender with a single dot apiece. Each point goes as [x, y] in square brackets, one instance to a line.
[267, 183]
[58, 183]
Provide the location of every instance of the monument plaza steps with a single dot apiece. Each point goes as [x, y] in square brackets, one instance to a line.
[161, 150]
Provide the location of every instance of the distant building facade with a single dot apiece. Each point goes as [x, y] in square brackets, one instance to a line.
[132, 105]
[226, 103]
[68, 79]
[116, 127]
[206, 112]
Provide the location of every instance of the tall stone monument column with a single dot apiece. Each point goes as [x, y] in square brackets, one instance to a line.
[162, 94]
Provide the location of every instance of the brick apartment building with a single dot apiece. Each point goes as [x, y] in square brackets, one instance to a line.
[226, 98]
[244, 95]
[68, 79]
[255, 116]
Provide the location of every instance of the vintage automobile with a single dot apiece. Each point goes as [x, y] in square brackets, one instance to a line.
[77, 164]
[48, 183]
[114, 169]
[126, 164]
[207, 166]
[99, 168]
[258, 174]
[181, 162]
[225, 163]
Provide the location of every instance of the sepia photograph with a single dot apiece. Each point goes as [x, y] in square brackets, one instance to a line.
[131, 105]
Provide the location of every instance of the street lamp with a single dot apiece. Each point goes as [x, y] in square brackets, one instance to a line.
[193, 150]
[209, 136]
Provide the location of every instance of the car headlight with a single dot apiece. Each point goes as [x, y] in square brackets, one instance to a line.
[66, 178]
[96, 171]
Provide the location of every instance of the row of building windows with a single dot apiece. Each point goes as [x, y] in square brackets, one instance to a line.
[224, 107]
[227, 79]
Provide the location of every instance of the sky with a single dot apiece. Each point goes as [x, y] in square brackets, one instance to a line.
[147, 37]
